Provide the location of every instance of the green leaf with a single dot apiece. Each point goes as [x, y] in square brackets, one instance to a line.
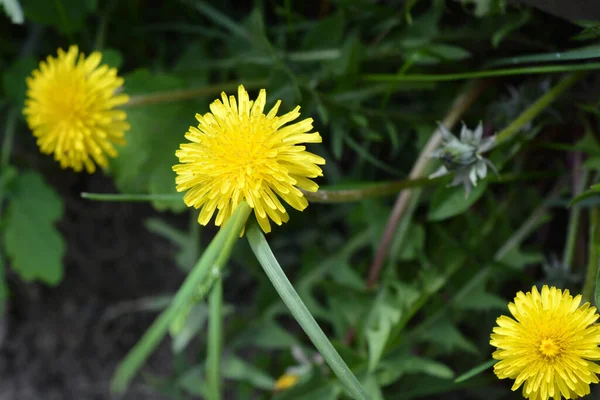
[267, 334]
[513, 23]
[593, 192]
[385, 314]
[33, 244]
[479, 299]
[475, 371]
[112, 58]
[327, 33]
[237, 369]
[518, 258]
[394, 368]
[448, 202]
[13, 80]
[194, 322]
[411, 245]
[448, 338]
[67, 16]
[144, 164]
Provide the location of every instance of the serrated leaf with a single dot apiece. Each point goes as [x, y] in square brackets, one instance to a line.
[384, 316]
[327, 33]
[518, 258]
[267, 335]
[32, 242]
[393, 369]
[479, 299]
[448, 338]
[144, 164]
[448, 202]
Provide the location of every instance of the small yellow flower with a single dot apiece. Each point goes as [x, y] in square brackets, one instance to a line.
[70, 108]
[286, 381]
[238, 153]
[547, 347]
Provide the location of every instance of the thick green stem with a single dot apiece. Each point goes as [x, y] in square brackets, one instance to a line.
[573, 227]
[186, 94]
[292, 300]
[215, 333]
[591, 278]
[210, 263]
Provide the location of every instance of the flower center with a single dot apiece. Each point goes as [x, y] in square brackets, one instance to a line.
[549, 348]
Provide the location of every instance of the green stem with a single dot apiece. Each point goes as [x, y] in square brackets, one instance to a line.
[9, 136]
[533, 110]
[133, 197]
[573, 227]
[185, 94]
[290, 297]
[210, 263]
[7, 145]
[327, 195]
[591, 278]
[215, 328]
[482, 74]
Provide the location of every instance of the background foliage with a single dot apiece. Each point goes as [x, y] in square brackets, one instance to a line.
[453, 264]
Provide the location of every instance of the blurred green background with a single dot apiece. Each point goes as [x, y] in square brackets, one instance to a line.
[83, 279]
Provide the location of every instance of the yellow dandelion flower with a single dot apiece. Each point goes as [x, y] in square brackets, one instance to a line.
[70, 108]
[239, 153]
[286, 381]
[548, 345]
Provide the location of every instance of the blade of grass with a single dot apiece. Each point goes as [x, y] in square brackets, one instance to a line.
[212, 260]
[475, 371]
[214, 343]
[583, 53]
[220, 18]
[546, 69]
[292, 300]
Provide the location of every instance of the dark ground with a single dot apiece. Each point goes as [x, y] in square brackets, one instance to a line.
[54, 344]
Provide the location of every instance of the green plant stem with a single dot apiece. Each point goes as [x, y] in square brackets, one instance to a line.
[210, 263]
[215, 332]
[131, 197]
[573, 227]
[331, 195]
[9, 136]
[591, 277]
[546, 69]
[7, 145]
[186, 94]
[292, 300]
[533, 110]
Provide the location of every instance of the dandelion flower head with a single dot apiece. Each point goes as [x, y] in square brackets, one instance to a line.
[238, 153]
[71, 109]
[548, 345]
